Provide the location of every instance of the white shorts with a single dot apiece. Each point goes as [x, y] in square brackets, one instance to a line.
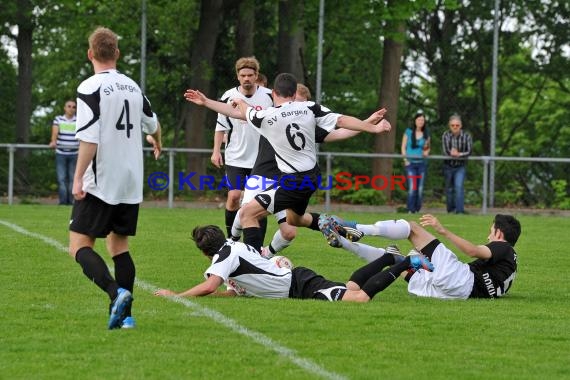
[450, 279]
[256, 184]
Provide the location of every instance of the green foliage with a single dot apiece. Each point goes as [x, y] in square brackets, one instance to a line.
[363, 196]
[446, 68]
[561, 191]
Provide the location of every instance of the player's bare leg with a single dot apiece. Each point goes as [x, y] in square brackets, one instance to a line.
[232, 207]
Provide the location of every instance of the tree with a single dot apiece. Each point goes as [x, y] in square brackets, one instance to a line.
[389, 95]
[291, 53]
[245, 28]
[201, 75]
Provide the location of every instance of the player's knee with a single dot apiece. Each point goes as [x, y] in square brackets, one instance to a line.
[233, 201]
[289, 232]
[251, 211]
[355, 296]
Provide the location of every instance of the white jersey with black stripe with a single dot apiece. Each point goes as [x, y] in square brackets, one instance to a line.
[112, 112]
[242, 143]
[247, 273]
[291, 129]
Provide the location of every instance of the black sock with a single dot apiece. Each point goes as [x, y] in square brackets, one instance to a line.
[96, 270]
[230, 216]
[363, 274]
[125, 274]
[252, 236]
[315, 223]
[263, 228]
[430, 248]
[382, 280]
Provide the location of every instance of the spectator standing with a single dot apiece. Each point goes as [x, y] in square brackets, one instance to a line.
[415, 147]
[66, 147]
[457, 144]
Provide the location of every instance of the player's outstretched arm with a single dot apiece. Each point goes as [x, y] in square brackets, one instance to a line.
[196, 97]
[468, 248]
[376, 116]
[205, 288]
[351, 122]
[343, 133]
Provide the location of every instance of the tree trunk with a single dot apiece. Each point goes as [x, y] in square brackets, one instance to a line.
[389, 94]
[24, 97]
[194, 117]
[291, 38]
[245, 28]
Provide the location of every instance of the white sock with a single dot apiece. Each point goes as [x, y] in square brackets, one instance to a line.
[236, 227]
[365, 252]
[391, 229]
[278, 243]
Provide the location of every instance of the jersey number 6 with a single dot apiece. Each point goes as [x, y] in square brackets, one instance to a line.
[293, 135]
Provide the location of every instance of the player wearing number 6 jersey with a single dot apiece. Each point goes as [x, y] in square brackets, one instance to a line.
[291, 128]
[112, 114]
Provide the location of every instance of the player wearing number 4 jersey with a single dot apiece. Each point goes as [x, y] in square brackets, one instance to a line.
[108, 183]
[246, 273]
[489, 276]
[291, 129]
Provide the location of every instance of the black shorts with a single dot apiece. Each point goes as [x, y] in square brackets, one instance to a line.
[95, 218]
[292, 191]
[236, 177]
[305, 283]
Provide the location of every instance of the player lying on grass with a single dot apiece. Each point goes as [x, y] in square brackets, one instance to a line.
[246, 273]
[489, 276]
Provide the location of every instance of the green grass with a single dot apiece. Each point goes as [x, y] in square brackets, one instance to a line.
[54, 320]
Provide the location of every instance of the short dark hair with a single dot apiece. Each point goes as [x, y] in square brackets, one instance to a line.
[209, 239]
[509, 226]
[285, 85]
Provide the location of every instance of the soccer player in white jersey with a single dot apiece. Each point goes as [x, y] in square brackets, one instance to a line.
[241, 141]
[291, 129]
[490, 275]
[246, 273]
[108, 183]
[265, 172]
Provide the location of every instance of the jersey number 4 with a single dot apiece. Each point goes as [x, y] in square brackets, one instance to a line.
[124, 122]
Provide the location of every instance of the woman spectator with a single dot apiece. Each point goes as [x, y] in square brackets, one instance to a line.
[415, 147]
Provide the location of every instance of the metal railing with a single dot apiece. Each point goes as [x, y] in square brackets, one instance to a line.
[328, 156]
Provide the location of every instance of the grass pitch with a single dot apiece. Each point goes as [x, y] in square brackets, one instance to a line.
[54, 320]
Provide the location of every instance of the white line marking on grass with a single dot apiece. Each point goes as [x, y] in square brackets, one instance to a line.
[216, 316]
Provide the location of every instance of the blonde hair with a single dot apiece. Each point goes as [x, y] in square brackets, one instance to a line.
[104, 44]
[303, 91]
[247, 63]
